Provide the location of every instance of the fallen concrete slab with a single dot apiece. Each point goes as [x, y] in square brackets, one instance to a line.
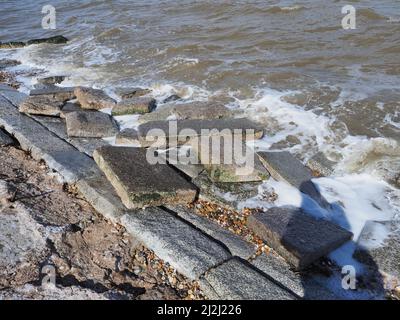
[236, 245]
[184, 111]
[68, 108]
[283, 166]
[138, 105]
[380, 254]
[230, 162]
[320, 165]
[188, 250]
[93, 99]
[236, 280]
[139, 183]
[41, 105]
[180, 131]
[296, 236]
[51, 80]
[55, 93]
[128, 93]
[127, 136]
[90, 124]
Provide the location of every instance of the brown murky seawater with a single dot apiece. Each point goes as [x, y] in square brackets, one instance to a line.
[288, 63]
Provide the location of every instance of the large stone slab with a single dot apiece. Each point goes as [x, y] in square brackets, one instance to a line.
[32, 136]
[13, 96]
[236, 245]
[138, 105]
[59, 128]
[41, 105]
[55, 93]
[68, 108]
[5, 139]
[236, 280]
[128, 93]
[193, 110]
[90, 124]
[230, 161]
[283, 166]
[301, 284]
[320, 165]
[180, 131]
[378, 252]
[127, 136]
[51, 80]
[188, 250]
[139, 183]
[93, 98]
[296, 236]
[12, 45]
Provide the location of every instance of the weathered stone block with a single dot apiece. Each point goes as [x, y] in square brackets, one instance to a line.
[230, 161]
[139, 183]
[68, 108]
[41, 105]
[93, 98]
[236, 280]
[296, 236]
[128, 93]
[236, 245]
[127, 136]
[180, 131]
[380, 253]
[283, 166]
[134, 106]
[90, 124]
[320, 165]
[55, 93]
[188, 250]
[201, 110]
[51, 80]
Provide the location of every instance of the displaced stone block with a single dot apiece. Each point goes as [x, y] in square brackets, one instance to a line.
[302, 285]
[55, 93]
[128, 93]
[41, 105]
[320, 165]
[53, 40]
[90, 124]
[236, 280]
[134, 106]
[296, 236]
[283, 166]
[193, 110]
[188, 250]
[172, 98]
[127, 136]
[5, 139]
[181, 131]
[378, 252]
[94, 99]
[139, 183]
[236, 245]
[51, 80]
[230, 162]
[68, 108]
